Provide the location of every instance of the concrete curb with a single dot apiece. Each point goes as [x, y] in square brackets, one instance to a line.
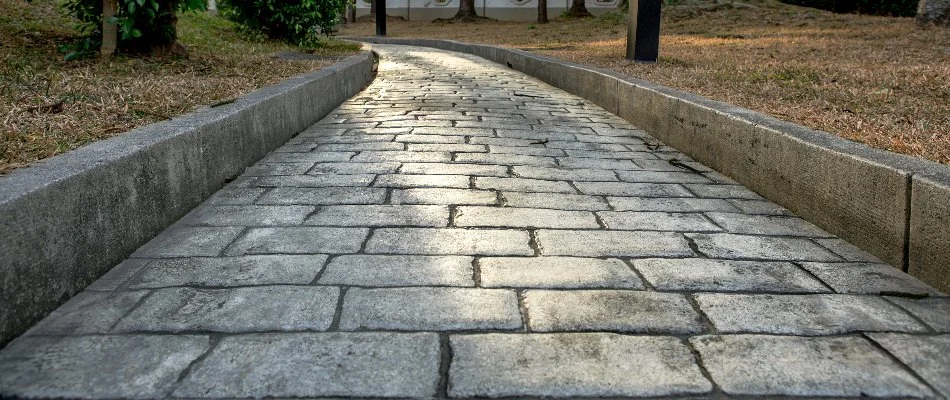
[893, 206]
[67, 220]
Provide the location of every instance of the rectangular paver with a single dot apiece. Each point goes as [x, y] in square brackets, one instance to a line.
[611, 310]
[299, 240]
[612, 243]
[426, 309]
[380, 215]
[229, 271]
[449, 241]
[364, 364]
[444, 196]
[378, 270]
[572, 365]
[523, 218]
[247, 309]
[801, 366]
[556, 272]
[700, 274]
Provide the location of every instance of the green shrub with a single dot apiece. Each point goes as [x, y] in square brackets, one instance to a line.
[897, 8]
[142, 24]
[300, 22]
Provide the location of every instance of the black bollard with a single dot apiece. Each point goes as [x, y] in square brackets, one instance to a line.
[643, 31]
[380, 17]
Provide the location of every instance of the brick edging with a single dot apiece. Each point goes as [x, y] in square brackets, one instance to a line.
[894, 206]
[67, 220]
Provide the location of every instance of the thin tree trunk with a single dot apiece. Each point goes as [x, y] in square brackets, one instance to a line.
[466, 11]
[110, 35]
[542, 11]
[372, 7]
[578, 9]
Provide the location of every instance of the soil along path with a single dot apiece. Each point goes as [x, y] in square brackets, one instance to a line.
[459, 229]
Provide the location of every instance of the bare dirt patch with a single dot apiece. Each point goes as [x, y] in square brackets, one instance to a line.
[882, 81]
[49, 106]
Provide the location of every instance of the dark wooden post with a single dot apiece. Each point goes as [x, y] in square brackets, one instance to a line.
[380, 17]
[542, 11]
[109, 30]
[643, 31]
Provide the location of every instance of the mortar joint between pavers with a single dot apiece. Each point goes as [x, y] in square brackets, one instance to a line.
[213, 341]
[338, 311]
[717, 391]
[534, 244]
[523, 309]
[445, 364]
[694, 247]
[801, 267]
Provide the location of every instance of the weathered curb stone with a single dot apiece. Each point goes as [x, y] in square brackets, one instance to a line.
[893, 206]
[67, 220]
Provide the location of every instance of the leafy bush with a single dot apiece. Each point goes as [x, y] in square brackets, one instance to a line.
[898, 8]
[142, 24]
[296, 21]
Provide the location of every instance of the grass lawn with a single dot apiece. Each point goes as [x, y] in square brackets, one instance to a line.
[878, 80]
[49, 106]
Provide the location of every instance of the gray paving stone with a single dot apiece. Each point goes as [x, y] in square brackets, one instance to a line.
[401, 156]
[235, 196]
[476, 216]
[662, 177]
[248, 215]
[373, 270]
[460, 131]
[523, 185]
[848, 251]
[624, 154]
[597, 163]
[326, 180]
[454, 169]
[88, 313]
[299, 240]
[657, 221]
[450, 147]
[496, 242]
[245, 309]
[421, 181]
[324, 196]
[118, 275]
[612, 243]
[928, 356]
[184, 241]
[564, 174]
[868, 278]
[430, 139]
[731, 246]
[572, 365]
[528, 151]
[364, 364]
[363, 146]
[311, 157]
[505, 159]
[766, 225]
[700, 274]
[380, 215]
[96, 367]
[509, 142]
[230, 271]
[430, 308]
[444, 196]
[263, 169]
[633, 189]
[803, 366]
[556, 272]
[935, 312]
[355, 168]
[610, 310]
[760, 207]
[673, 204]
[813, 314]
[723, 192]
[561, 201]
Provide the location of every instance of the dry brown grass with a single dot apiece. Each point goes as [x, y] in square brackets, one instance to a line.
[877, 80]
[48, 106]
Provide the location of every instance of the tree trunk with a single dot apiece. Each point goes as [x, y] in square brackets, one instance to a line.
[372, 7]
[578, 9]
[466, 11]
[933, 12]
[110, 34]
[542, 11]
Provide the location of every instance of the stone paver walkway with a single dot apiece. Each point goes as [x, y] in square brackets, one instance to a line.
[461, 230]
